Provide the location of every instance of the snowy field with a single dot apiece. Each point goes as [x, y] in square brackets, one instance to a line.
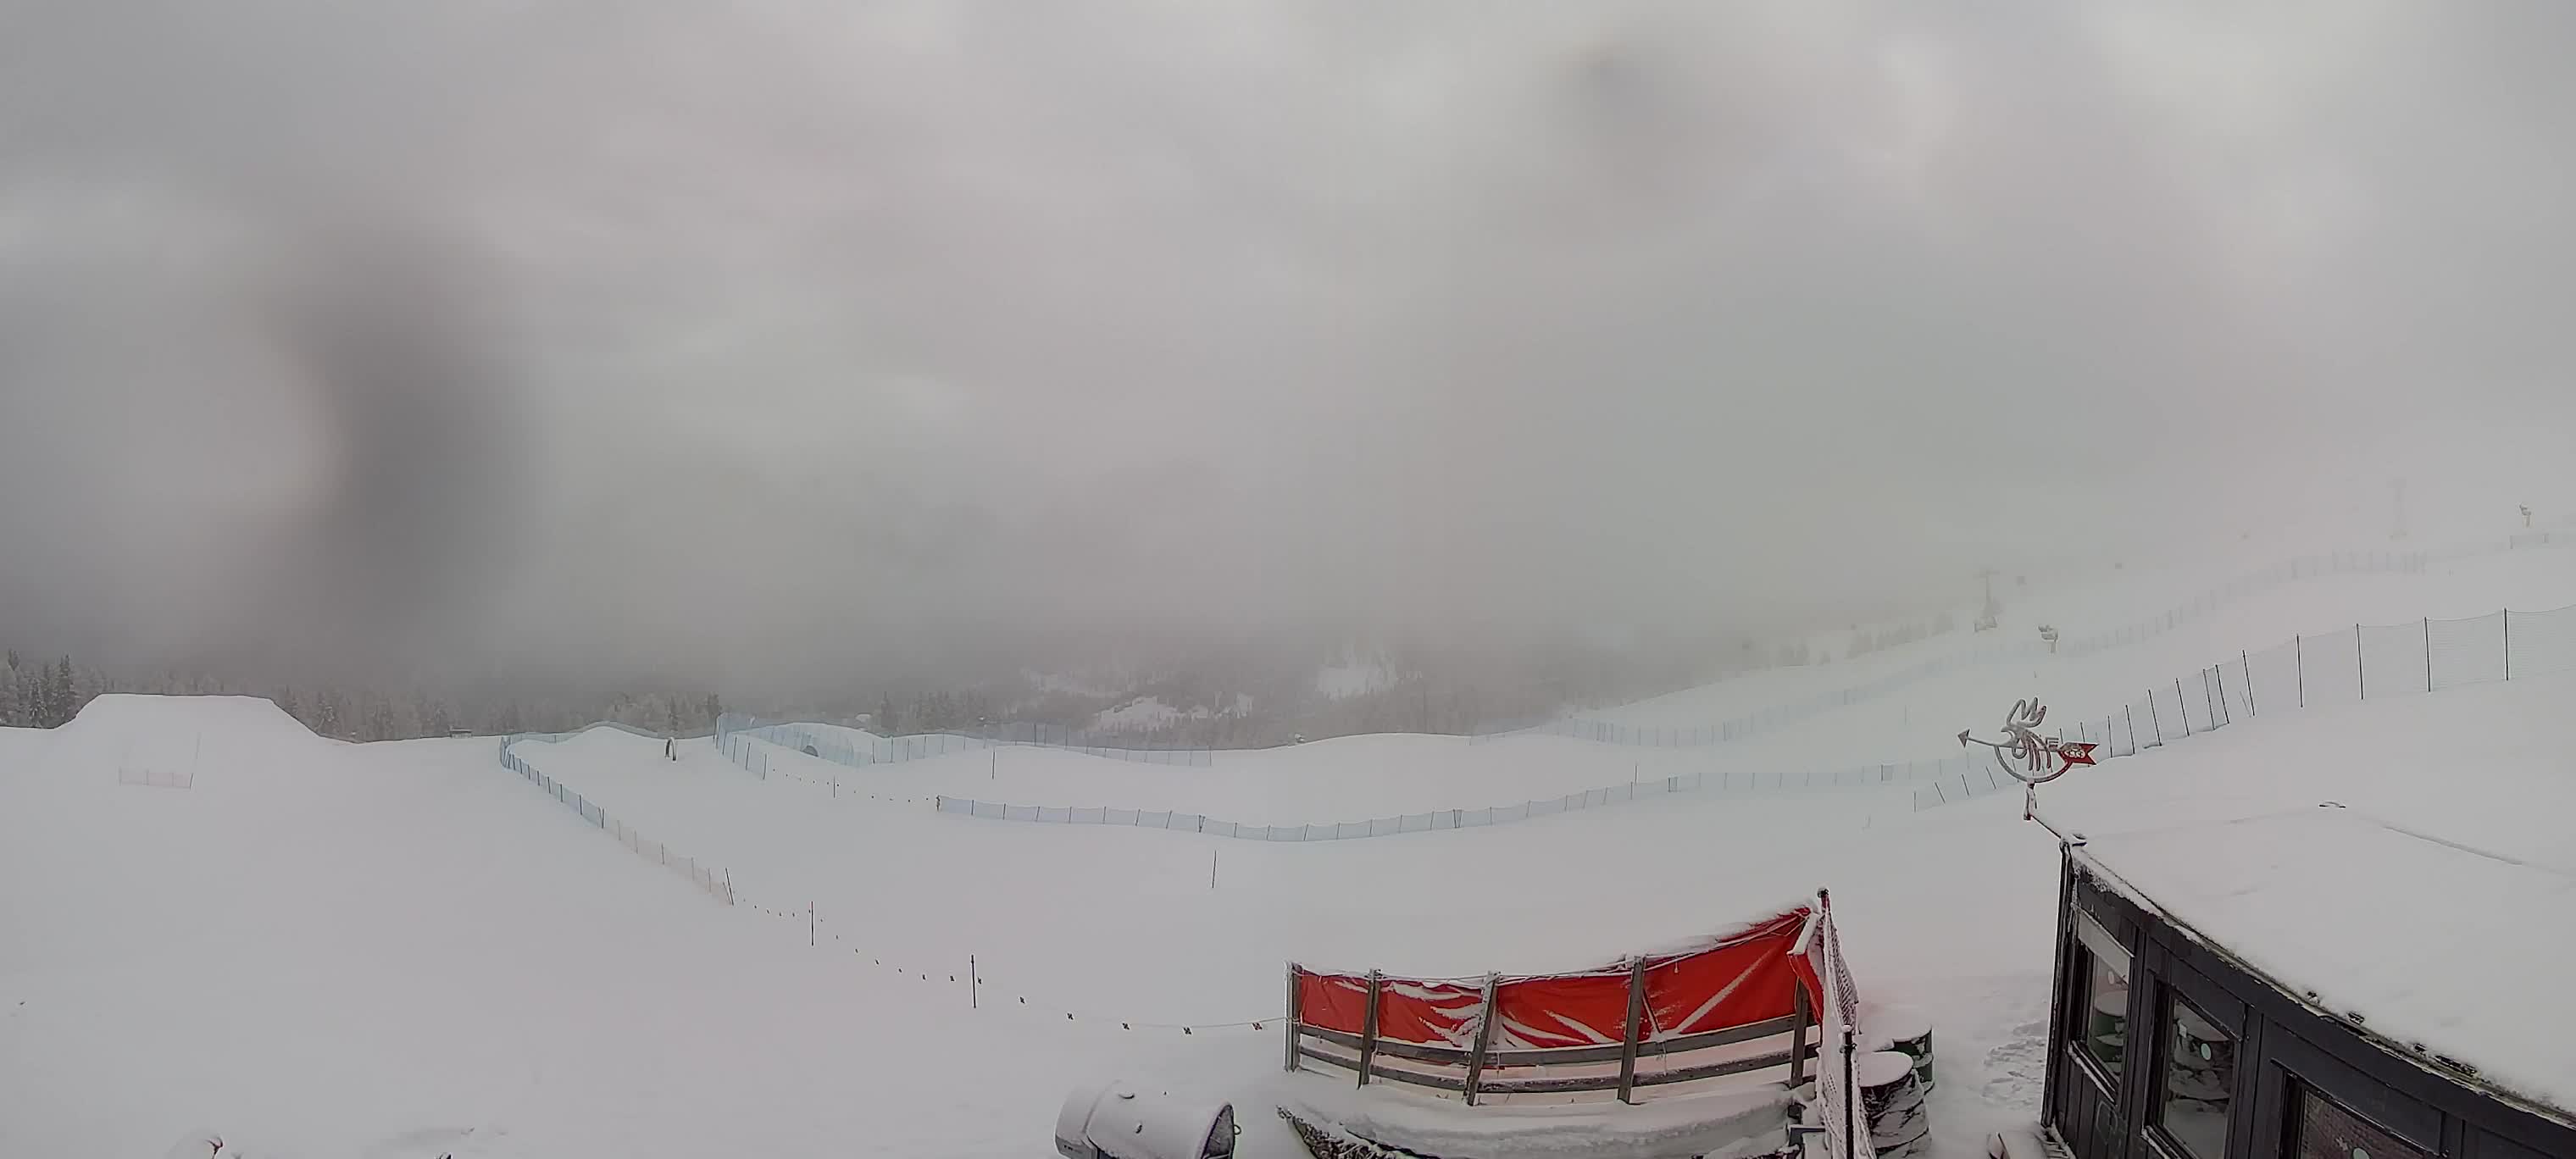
[402, 950]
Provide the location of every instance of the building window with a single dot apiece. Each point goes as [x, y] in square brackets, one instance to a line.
[2325, 1130]
[2199, 1080]
[2102, 1008]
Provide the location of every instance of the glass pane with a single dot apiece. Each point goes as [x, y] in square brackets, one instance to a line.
[2327, 1131]
[2199, 1081]
[2106, 1015]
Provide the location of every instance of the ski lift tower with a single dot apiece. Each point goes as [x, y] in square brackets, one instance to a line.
[1992, 614]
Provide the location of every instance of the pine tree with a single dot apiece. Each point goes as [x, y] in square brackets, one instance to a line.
[381, 724]
[12, 710]
[886, 724]
[61, 695]
[285, 700]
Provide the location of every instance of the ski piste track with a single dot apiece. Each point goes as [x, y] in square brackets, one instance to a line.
[236, 954]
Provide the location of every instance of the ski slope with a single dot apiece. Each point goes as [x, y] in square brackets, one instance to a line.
[403, 950]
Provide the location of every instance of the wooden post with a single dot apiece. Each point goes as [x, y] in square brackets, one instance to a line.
[2299, 657]
[2428, 653]
[2155, 719]
[2360, 674]
[2246, 666]
[1800, 1018]
[974, 986]
[2508, 643]
[1292, 1016]
[2179, 710]
[1484, 1039]
[1636, 1028]
[1368, 1025]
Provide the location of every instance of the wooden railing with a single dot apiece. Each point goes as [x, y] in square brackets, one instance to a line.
[1790, 1041]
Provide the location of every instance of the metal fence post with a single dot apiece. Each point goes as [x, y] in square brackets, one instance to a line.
[2247, 667]
[2179, 710]
[1851, 1093]
[2299, 657]
[2428, 653]
[2360, 671]
[1293, 1014]
[2508, 643]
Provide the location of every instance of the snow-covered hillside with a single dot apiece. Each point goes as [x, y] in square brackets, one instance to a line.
[403, 950]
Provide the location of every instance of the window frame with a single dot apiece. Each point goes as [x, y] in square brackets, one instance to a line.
[2298, 1089]
[2168, 996]
[2095, 944]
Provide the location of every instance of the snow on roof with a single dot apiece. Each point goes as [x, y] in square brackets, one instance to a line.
[2403, 860]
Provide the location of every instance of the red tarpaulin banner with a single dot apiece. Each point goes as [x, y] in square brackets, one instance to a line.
[1749, 976]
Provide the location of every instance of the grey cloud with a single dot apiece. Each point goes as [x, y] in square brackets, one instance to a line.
[668, 337]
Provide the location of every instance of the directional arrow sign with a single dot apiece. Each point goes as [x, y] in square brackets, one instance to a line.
[2074, 753]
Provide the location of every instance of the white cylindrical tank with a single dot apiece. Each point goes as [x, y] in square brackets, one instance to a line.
[1116, 1121]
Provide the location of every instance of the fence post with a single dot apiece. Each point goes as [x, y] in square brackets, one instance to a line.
[1851, 1093]
[2360, 671]
[1484, 1039]
[2155, 718]
[1636, 1027]
[1368, 1025]
[2299, 657]
[2247, 667]
[2208, 704]
[2131, 712]
[2508, 643]
[2179, 710]
[2428, 653]
[1293, 1014]
[1799, 1017]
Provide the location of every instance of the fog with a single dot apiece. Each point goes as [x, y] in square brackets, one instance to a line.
[714, 341]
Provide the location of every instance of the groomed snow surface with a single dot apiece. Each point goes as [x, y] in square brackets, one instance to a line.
[398, 950]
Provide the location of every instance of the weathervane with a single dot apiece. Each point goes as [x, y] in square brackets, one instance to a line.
[2022, 743]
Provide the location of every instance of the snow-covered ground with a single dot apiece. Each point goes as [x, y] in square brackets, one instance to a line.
[402, 950]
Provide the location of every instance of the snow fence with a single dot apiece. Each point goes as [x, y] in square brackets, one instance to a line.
[1899, 772]
[858, 750]
[715, 882]
[1992, 650]
[2367, 662]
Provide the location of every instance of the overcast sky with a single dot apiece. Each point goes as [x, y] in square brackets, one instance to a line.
[689, 335]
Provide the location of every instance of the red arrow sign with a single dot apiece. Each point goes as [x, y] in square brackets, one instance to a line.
[2075, 753]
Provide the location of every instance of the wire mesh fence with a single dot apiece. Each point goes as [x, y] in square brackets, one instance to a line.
[2366, 662]
[858, 750]
[1993, 651]
[713, 881]
[1892, 773]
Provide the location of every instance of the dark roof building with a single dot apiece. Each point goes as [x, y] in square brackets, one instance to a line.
[2310, 983]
